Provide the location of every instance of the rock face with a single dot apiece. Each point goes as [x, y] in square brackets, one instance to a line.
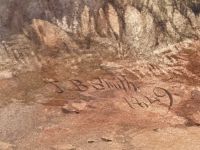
[122, 26]
[143, 24]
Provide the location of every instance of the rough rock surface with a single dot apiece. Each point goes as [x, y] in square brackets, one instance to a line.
[103, 74]
[144, 24]
[124, 27]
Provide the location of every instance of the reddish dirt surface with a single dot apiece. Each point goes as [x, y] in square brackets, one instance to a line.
[43, 110]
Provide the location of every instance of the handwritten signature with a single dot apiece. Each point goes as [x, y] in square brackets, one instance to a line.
[147, 101]
[122, 83]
